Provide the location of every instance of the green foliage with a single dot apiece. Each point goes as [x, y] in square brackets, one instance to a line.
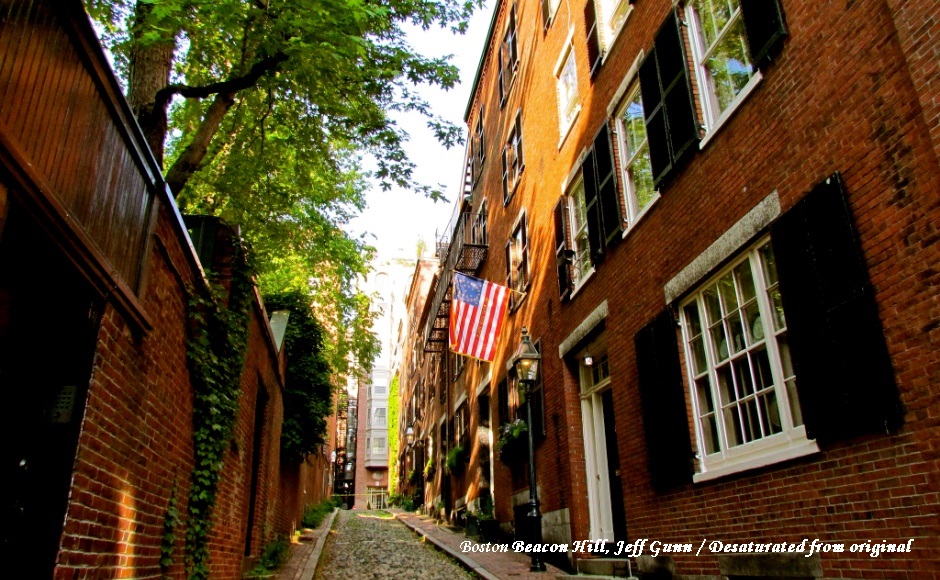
[309, 89]
[453, 462]
[171, 519]
[510, 432]
[215, 352]
[315, 514]
[273, 555]
[393, 434]
[429, 468]
[405, 502]
[308, 388]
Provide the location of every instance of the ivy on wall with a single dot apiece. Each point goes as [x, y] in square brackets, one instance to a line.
[215, 351]
[393, 435]
[308, 389]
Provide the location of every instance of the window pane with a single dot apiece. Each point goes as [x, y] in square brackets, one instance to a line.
[728, 66]
[713, 17]
[641, 174]
[691, 317]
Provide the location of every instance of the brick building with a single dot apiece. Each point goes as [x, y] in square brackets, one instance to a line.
[96, 268]
[720, 219]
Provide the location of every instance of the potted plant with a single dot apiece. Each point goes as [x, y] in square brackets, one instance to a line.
[455, 460]
[511, 443]
[472, 530]
[487, 524]
[429, 469]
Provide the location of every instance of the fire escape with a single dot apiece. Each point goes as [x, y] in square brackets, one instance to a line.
[462, 247]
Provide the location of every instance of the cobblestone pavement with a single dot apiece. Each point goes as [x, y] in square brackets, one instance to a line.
[372, 544]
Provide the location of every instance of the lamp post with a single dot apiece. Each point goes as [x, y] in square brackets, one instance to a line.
[526, 362]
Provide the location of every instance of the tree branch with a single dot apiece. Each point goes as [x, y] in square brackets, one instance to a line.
[230, 85]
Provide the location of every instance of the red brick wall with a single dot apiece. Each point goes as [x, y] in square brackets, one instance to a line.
[851, 91]
[136, 441]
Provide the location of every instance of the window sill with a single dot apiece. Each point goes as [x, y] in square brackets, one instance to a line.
[632, 226]
[581, 283]
[794, 450]
[565, 130]
[729, 112]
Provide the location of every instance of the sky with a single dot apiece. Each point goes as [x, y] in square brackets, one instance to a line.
[395, 220]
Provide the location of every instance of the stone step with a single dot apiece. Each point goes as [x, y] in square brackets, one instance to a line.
[611, 567]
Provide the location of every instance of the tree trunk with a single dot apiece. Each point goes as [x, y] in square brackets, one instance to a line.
[190, 160]
[148, 72]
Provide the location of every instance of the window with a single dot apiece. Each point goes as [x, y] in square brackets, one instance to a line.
[378, 446]
[457, 364]
[566, 78]
[478, 148]
[603, 26]
[512, 159]
[639, 192]
[720, 54]
[508, 57]
[739, 367]
[548, 11]
[379, 416]
[378, 389]
[672, 129]
[591, 209]
[517, 262]
[581, 259]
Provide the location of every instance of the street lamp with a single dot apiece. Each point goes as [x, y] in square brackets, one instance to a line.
[526, 362]
[409, 435]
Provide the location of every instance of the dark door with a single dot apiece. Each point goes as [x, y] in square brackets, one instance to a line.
[48, 325]
[618, 514]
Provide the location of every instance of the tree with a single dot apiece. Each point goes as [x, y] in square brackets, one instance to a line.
[308, 387]
[262, 112]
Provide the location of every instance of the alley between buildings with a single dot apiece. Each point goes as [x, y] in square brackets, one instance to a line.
[373, 544]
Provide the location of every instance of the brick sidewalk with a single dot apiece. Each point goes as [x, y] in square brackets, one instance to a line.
[489, 565]
[305, 554]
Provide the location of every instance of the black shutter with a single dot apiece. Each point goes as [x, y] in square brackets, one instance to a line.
[668, 109]
[764, 27]
[593, 38]
[607, 187]
[843, 371]
[593, 209]
[562, 251]
[662, 398]
[520, 161]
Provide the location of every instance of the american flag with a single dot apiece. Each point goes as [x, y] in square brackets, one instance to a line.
[476, 316]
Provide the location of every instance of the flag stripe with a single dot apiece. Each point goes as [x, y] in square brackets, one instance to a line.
[477, 313]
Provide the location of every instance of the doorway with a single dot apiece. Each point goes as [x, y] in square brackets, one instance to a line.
[49, 320]
[601, 452]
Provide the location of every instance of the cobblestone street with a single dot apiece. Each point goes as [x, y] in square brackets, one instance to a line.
[374, 544]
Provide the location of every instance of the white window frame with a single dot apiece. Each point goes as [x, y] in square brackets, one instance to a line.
[714, 118]
[509, 63]
[626, 161]
[607, 25]
[513, 161]
[582, 268]
[519, 269]
[570, 107]
[791, 441]
[380, 418]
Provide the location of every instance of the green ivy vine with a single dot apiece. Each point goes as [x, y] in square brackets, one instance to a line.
[171, 519]
[308, 388]
[216, 354]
